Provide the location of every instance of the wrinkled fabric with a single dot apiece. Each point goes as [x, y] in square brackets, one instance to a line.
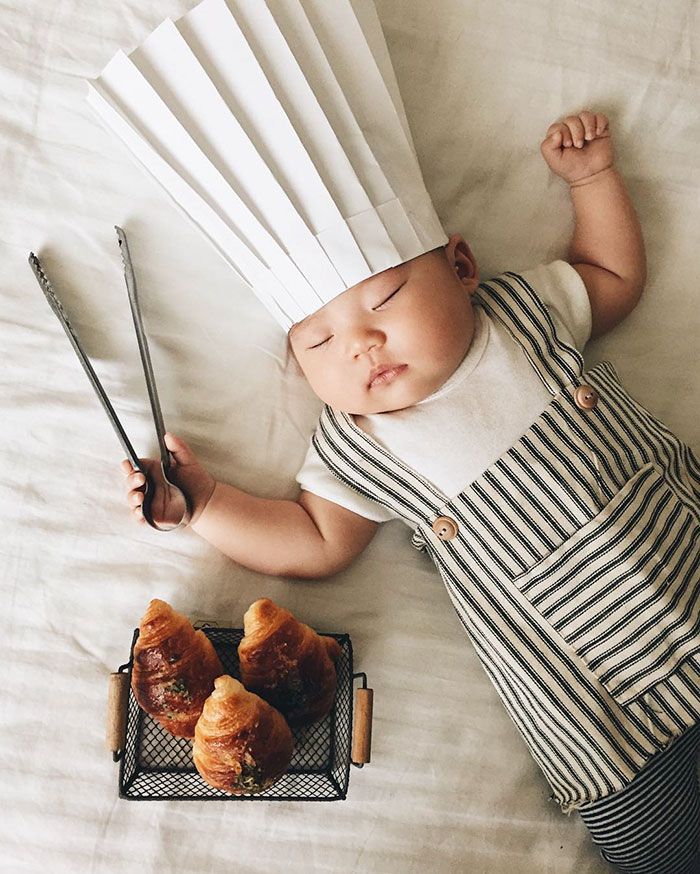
[450, 786]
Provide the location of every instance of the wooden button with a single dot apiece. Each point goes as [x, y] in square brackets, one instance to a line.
[585, 397]
[445, 528]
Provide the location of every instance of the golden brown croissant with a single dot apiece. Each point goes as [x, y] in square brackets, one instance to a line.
[287, 663]
[174, 669]
[241, 743]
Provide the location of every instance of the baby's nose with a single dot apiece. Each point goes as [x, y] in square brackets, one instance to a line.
[365, 340]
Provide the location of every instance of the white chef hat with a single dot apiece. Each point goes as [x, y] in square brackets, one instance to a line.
[278, 127]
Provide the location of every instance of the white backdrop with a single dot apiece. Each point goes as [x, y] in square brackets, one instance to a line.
[451, 786]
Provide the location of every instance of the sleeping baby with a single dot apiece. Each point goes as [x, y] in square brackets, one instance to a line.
[561, 515]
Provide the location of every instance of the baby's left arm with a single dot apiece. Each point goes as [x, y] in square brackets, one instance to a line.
[607, 248]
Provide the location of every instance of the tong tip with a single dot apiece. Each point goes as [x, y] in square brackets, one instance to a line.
[35, 264]
[123, 247]
[47, 288]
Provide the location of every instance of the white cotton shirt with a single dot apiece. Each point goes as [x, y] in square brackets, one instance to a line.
[488, 403]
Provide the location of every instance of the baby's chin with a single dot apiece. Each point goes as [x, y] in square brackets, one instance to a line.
[376, 405]
[365, 408]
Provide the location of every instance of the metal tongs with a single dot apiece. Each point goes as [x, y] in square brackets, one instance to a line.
[178, 501]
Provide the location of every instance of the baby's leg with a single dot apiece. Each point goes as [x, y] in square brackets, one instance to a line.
[652, 826]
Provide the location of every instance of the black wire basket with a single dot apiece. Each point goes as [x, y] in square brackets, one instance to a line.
[155, 765]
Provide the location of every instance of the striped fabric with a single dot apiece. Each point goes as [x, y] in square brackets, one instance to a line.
[652, 826]
[575, 568]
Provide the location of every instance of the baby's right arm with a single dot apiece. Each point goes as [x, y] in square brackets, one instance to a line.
[307, 538]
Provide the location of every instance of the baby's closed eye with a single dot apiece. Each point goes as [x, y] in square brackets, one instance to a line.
[322, 343]
[387, 299]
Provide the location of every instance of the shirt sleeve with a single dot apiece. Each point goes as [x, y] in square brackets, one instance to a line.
[315, 477]
[563, 292]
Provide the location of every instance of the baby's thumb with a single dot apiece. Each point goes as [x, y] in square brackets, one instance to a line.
[180, 450]
[551, 145]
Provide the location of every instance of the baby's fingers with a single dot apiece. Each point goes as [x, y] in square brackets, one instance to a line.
[588, 120]
[576, 129]
[559, 133]
[595, 124]
[601, 124]
[134, 481]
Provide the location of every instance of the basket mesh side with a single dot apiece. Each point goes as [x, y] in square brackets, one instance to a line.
[157, 766]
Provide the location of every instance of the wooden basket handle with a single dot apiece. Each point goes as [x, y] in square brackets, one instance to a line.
[116, 712]
[362, 727]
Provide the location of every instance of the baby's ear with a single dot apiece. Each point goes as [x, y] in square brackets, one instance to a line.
[460, 258]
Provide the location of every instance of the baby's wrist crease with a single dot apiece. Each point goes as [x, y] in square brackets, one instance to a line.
[592, 178]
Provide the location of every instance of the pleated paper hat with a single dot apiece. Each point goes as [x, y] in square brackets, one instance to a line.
[278, 127]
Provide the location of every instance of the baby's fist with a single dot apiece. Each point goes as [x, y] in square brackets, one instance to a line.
[186, 472]
[578, 146]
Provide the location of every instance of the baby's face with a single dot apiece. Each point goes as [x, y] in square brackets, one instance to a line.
[393, 339]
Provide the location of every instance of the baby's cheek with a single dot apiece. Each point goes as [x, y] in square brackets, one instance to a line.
[327, 383]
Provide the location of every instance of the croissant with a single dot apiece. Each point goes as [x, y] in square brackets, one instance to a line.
[174, 669]
[241, 743]
[287, 663]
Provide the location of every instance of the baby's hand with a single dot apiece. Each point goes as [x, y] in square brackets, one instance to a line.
[578, 146]
[186, 472]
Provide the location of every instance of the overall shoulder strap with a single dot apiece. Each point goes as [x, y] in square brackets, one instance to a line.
[361, 463]
[515, 303]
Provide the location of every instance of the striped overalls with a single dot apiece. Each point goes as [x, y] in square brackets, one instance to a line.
[573, 561]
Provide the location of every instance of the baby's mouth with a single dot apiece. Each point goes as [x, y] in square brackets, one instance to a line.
[385, 373]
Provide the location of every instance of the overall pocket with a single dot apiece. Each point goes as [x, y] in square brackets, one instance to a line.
[624, 590]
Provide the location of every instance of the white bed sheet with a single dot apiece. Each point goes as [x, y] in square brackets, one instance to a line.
[451, 786]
